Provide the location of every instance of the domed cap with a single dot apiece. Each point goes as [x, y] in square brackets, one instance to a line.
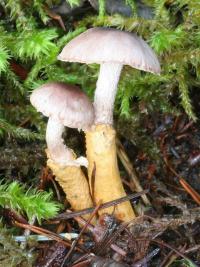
[100, 45]
[63, 102]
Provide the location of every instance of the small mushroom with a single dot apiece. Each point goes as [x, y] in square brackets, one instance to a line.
[65, 105]
[111, 49]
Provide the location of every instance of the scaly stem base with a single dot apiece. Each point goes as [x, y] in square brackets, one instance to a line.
[74, 184]
[102, 157]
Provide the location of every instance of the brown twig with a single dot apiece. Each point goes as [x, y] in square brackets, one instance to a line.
[90, 227]
[74, 244]
[82, 263]
[163, 244]
[109, 238]
[92, 191]
[171, 257]
[186, 127]
[130, 170]
[55, 16]
[195, 195]
[192, 249]
[66, 215]
[49, 234]
[190, 190]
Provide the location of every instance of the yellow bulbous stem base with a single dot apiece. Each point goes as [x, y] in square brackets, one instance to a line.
[102, 158]
[74, 184]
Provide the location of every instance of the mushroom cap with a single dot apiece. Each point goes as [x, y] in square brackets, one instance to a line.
[65, 103]
[101, 45]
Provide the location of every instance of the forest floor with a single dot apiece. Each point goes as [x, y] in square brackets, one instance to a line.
[167, 229]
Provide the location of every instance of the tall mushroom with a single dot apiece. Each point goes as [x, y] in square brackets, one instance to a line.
[65, 105]
[111, 49]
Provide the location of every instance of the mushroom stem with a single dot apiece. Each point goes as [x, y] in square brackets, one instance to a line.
[74, 184]
[101, 145]
[106, 91]
[66, 168]
[103, 172]
[58, 152]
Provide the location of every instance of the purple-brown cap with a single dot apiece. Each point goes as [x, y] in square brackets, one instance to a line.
[101, 45]
[65, 103]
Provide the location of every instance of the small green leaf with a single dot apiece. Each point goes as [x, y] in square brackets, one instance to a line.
[19, 132]
[4, 57]
[73, 2]
[34, 44]
[31, 202]
[165, 40]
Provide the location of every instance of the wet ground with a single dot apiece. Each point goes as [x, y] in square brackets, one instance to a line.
[165, 233]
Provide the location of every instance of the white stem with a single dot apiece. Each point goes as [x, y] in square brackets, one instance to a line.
[57, 151]
[106, 91]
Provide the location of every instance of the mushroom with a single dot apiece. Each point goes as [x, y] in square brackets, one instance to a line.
[111, 49]
[65, 105]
